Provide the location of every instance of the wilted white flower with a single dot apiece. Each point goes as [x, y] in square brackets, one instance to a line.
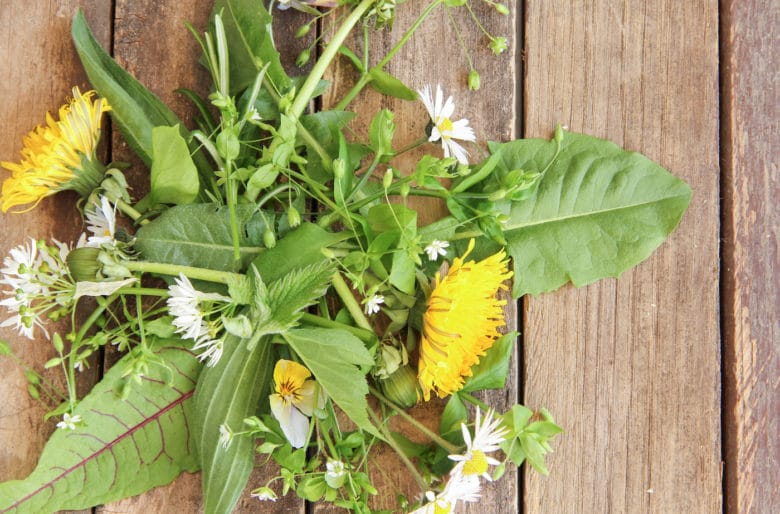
[443, 127]
[264, 494]
[101, 223]
[225, 436]
[69, 422]
[373, 303]
[436, 248]
[459, 488]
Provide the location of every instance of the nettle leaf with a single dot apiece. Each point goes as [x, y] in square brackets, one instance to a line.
[174, 176]
[598, 210]
[199, 235]
[291, 294]
[121, 448]
[226, 394]
[339, 362]
[250, 43]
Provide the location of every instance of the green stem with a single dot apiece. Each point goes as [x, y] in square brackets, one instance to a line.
[391, 442]
[362, 334]
[148, 291]
[433, 436]
[474, 401]
[366, 77]
[330, 52]
[342, 289]
[209, 275]
[130, 211]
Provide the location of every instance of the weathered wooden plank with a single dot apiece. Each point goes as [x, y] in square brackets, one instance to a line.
[39, 67]
[750, 138]
[631, 367]
[433, 56]
[152, 43]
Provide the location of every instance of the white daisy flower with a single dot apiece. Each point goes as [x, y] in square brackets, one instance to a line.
[101, 223]
[443, 127]
[264, 494]
[488, 435]
[373, 303]
[459, 488]
[436, 248]
[69, 422]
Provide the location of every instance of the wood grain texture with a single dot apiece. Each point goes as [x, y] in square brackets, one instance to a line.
[751, 220]
[39, 67]
[432, 56]
[630, 367]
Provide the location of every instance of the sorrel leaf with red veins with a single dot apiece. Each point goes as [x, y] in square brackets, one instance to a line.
[122, 447]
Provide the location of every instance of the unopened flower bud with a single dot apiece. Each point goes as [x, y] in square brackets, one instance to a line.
[387, 180]
[303, 30]
[303, 57]
[501, 8]
[83, 264]
[497, 195]
[401, 387]
[293, 217]
[474, 80]
[269, 238]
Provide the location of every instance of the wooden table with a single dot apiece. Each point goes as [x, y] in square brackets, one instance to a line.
[665, 380]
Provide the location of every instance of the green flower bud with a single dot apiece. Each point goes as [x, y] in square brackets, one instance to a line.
[303, 30]
[401, 387]
[501, 8]
[303, 57]
[293, 217]
[387, 180]
[269, 238]
[474, 80]
[83, 264]
[497, 195]
[498, 45]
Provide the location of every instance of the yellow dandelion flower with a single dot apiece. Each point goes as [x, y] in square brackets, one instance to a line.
[58, 156]
[461, 321]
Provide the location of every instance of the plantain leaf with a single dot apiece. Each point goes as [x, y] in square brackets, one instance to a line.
[336, 358]
[134, 108]
[122, 447]
[225, 395]
[199, 235]
[598, 210]
[250, 43]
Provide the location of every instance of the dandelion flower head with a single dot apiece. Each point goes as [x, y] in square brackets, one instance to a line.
[461, 321]
[57, 156]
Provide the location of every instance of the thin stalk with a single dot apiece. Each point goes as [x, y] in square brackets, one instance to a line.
[209, 275]
[391, 442]
[433, 436]
[342, 289]
[330, 52]
[130, 211]
[474, 401]
[362, 334]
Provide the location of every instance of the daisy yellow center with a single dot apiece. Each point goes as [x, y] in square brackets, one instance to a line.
[461, 322]
[477, 464]
[445, 127]
[442, 507]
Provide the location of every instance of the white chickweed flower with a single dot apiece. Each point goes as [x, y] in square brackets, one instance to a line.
[225, 436]
[373, 303]
[69, 422]
[436, 248]
[444, 128]
[488, 435]
[336, 473]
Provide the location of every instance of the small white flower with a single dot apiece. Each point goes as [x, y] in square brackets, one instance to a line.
[436, 248]
[443, 127]
[264, 494]
[488, 435]
[101, 223]
[336, 473]
[253, 115]
[373, 303]
[459, 488]
[213, 350]
[225, 436]
[69, 422]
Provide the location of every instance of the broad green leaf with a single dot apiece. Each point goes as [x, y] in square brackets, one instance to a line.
[174, 176]
[199, 235]
[493, 368]
[339, 362]
[135, 109]
[250, 43]
[299, 248]
[598, 210]
[390, 85]
[225, 395]
[453, 415]
[122, 447]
